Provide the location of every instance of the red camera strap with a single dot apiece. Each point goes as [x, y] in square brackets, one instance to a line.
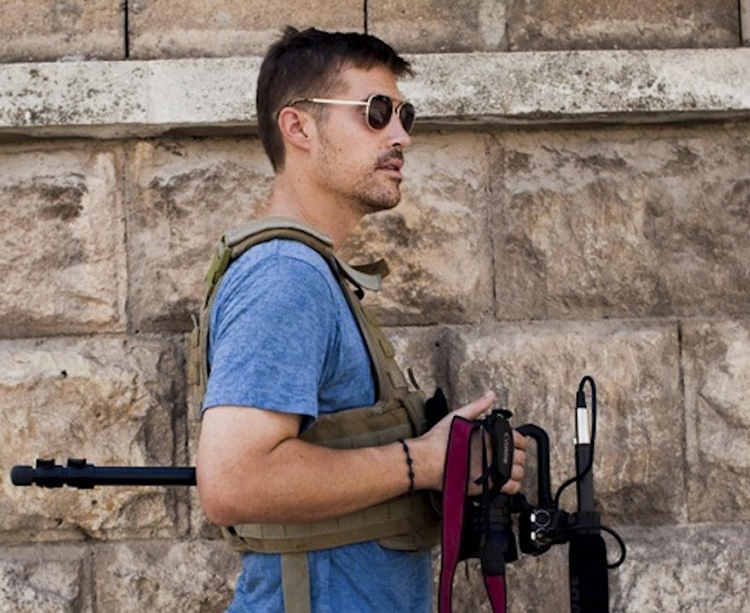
[455, 488]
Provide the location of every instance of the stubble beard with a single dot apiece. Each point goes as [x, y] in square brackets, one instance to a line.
[390, 195]
[373, 197]
[363, 187]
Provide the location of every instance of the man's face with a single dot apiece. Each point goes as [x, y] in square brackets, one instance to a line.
[354, 162]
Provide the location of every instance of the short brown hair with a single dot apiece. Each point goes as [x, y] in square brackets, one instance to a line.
[305, 64]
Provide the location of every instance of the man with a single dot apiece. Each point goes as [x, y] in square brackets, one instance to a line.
[285, 348]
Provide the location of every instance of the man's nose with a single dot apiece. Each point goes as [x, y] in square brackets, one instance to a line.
[398, 136]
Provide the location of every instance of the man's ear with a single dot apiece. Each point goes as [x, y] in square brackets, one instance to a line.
[296, 127]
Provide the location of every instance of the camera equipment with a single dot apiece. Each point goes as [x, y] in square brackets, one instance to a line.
[480, 526]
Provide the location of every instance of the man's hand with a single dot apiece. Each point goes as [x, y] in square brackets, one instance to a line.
[429, 450]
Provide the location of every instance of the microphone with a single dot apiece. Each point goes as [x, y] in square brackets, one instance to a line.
[587, 554]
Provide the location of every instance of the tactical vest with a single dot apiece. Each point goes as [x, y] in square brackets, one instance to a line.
[408, 522]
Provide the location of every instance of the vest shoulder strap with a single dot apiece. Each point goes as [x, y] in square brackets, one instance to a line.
[231, 246]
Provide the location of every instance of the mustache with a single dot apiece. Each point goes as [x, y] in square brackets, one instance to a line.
[388, 157]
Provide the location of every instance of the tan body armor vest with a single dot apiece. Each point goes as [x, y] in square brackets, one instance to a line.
[408, 522]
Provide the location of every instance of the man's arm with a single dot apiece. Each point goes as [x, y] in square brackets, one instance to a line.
[252, 468]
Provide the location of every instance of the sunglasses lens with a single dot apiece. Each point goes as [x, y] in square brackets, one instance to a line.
[379, 112]
[381, 109]
[407, 115]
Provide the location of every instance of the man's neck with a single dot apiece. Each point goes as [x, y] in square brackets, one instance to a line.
[332, 218]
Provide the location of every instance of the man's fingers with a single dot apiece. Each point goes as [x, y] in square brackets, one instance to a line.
[513, 485]
[520, 441]
[476, 408]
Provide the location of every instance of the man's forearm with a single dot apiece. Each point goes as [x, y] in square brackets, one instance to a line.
[252, 468]
[300, 482]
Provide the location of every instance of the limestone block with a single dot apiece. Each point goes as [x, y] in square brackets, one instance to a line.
[185, 195]
[115, 402]
[45, 580]
[196, 28]
[446, 26]
[61, 219]
[437, 241]
[622, 223]
[717, 385]
[189, 577]
[419, 350]
[47, 30]
[545, 25]
[639, 471]
[690, 568]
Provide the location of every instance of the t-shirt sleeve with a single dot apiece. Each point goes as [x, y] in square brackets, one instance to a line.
[272, 328]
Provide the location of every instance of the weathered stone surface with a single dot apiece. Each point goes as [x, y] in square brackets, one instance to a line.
[187, 577]
[63, 255]
[45, 580]
[47, 30]
[622, 223]
[126, 99]
[717, 386]
[113, 402]
[639, 466]
[691, 569]
[420, 350]
[447, 26]
[185, 195]
[609, 24]
[436, 242]
[214, 96]
[196, 28]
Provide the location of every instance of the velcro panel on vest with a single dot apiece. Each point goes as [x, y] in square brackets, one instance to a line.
[406, 523]
[370, 426]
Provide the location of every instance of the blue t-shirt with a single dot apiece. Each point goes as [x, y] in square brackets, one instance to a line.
[282, 338]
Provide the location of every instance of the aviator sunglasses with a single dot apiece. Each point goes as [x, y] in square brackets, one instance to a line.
[379, 110]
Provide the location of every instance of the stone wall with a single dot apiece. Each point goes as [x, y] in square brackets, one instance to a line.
[577, 202]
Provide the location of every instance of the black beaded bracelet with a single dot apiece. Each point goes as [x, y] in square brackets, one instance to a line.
[409, 464]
